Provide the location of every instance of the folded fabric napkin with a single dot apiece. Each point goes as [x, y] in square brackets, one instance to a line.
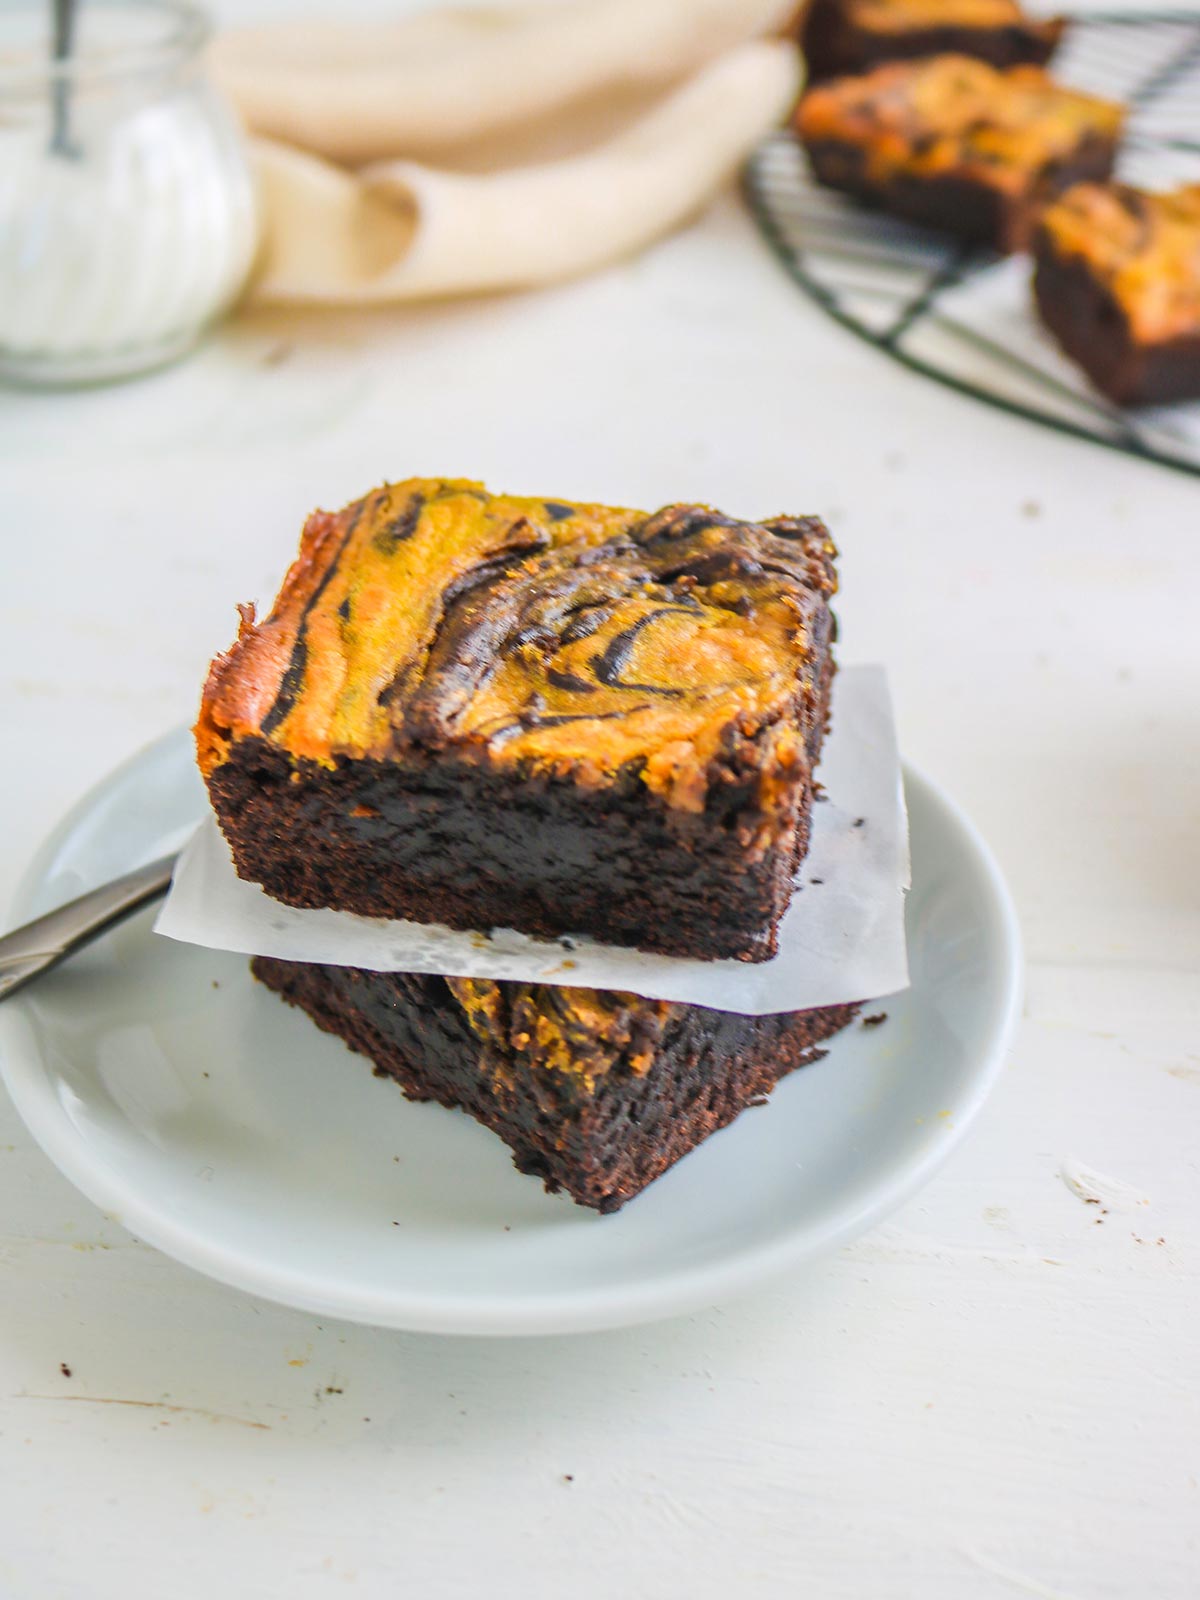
[465, 150]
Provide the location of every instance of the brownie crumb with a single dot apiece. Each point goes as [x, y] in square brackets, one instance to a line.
[64, 1369]
[874, 1021]
[859, 821]
[816, 880]
[332, 1388]
[568, 1477]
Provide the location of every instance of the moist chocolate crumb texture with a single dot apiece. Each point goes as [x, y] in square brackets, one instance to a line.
[596, 1093]
[956, 144]
[484, 710]
[843, 36]
[1117, 281]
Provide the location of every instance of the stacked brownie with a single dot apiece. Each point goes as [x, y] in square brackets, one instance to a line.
[484, 710]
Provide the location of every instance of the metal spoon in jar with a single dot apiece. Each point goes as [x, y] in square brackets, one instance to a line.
[60, 92]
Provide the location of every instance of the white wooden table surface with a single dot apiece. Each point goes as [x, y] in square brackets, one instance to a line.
[995, 1393]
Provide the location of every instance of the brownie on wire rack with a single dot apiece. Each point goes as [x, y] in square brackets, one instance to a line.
[1117, 281]
[956, 144]
[846, 36]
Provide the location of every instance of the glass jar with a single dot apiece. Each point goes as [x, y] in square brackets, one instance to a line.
[128, 218]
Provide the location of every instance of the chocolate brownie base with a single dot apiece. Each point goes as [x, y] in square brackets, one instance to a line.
[958, 204]
[834, 43]
[1093, 330]
[475, 847]
[602, 1140]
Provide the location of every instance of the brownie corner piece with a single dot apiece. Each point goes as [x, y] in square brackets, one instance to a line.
[484, 710]
[595, 1093]
[1117, 282]
[956, 144]
[849, 36]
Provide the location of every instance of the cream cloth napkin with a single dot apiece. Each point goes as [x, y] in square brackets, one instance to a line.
[551, 138]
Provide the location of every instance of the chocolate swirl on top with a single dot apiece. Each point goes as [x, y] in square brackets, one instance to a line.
[589, 639]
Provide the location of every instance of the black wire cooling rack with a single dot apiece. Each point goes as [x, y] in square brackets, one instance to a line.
[962, 315]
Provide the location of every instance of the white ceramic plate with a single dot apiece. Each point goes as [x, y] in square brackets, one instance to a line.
[222, 1127]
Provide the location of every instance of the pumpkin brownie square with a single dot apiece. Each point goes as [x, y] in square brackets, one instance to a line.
[1117, 281]
[491, 711]
[845, 36]
[955, 144]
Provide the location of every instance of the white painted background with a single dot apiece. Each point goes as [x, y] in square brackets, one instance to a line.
[994, 1394]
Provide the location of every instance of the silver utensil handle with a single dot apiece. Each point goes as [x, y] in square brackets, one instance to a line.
[62, 46]
[29, 951]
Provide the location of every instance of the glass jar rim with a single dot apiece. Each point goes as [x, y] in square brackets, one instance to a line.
[185, 30]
